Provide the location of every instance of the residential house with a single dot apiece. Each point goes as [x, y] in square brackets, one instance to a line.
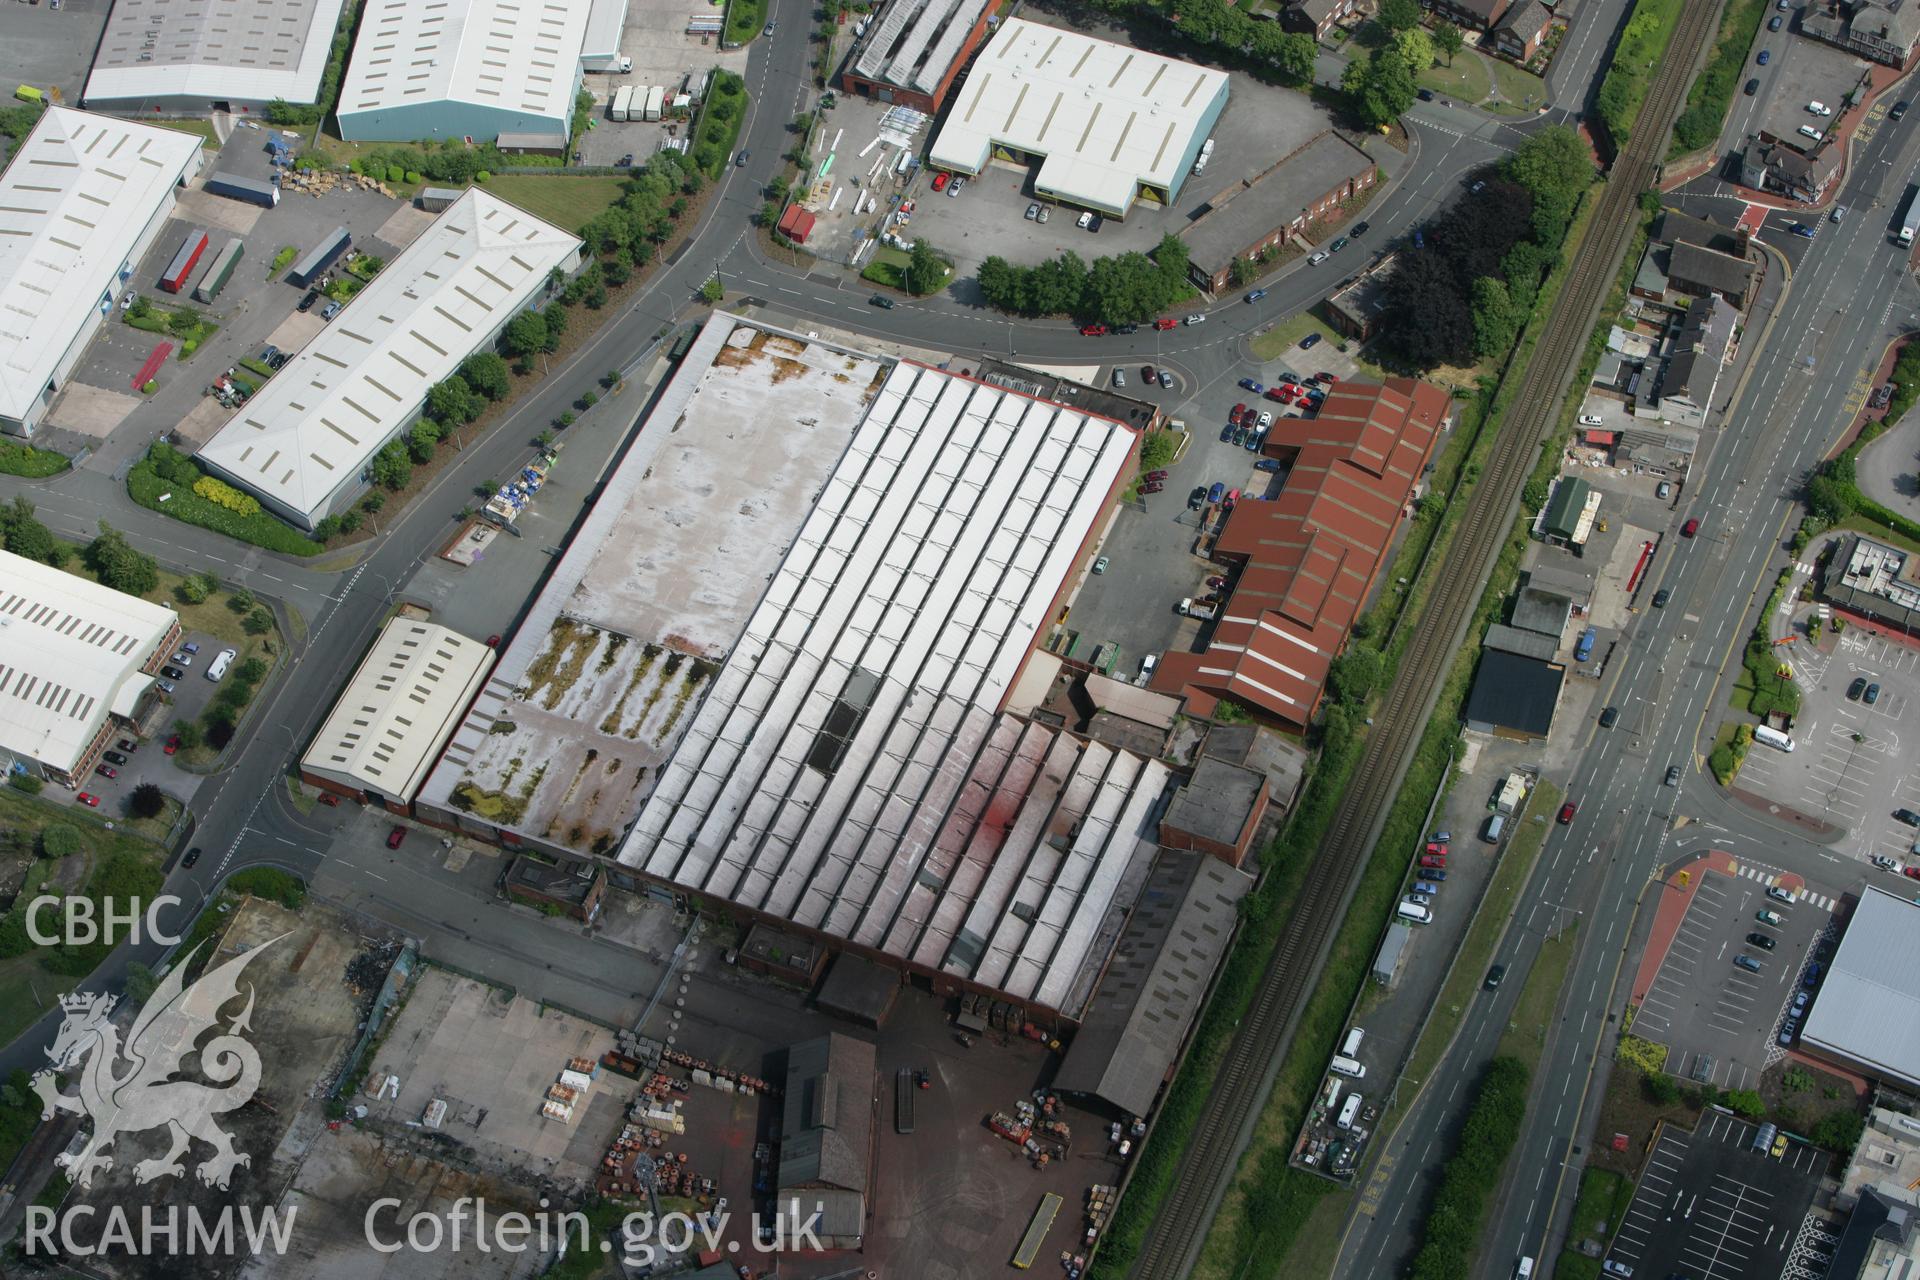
[1884, 31]
[1520, 34]
[1318, 16]
[1776, 167]
[1473, 15]
[1698, 272]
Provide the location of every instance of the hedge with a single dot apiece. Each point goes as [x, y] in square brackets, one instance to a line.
[1452, 1229]
[222, 494]
[165, 470]
[272, 884]
[33, 464]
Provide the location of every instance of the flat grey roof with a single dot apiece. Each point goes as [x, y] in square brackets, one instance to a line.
[1275, 198]
[1868, 1008]
[1165, 958]
[1516, 693]
[1528, 644]
[1537, 609]
[1216, 800]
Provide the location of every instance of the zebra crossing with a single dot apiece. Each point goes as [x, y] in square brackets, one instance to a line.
[1769, 877]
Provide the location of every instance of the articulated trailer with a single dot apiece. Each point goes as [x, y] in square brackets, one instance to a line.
[215, 278]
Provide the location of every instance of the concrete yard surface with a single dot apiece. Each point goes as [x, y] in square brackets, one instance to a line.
[491, 1057]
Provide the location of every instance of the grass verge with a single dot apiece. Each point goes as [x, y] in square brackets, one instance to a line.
[33, 464]
[1630, 72]
[720, 119]
[744, 20]
[202, 127]
[1468, 79]
[1712, 90]
[175, 497]
[1597, 1213]
[888, 267]
[569, 201]
[1526, 1032]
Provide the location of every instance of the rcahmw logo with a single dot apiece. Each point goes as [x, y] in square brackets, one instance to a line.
[130, 1088]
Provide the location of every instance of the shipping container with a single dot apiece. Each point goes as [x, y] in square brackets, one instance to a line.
[174, 278]
[235, 187]
[622, 103]
[435, 199]
[220, 271]
[331, 246]
[656, 98]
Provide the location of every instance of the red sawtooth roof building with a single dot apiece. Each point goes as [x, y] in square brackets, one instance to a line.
[1309, 557]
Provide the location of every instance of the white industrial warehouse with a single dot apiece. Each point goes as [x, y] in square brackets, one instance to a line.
[850, 771]
[84, 197]
[1107, 123]
[194, 56]
[76, 662]
[302, 444]
[463, 69]
[388, 725]
[1866, 1016]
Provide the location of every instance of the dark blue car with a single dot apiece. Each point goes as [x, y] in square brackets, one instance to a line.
[1216, 493]
[1252, 386]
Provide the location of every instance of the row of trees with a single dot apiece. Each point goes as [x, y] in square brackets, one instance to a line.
[22, 533]
[1262, 44]
[1383, 85]
[1467, 293]
[1452, 1233]
[282, 112]
[1127, 288]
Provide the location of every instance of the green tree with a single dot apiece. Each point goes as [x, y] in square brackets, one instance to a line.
[1416, 46]
[1156, 450]
[422, 440]
[147, 801]
[712, 291]
[1243, 272]
[1448, 40]
[487, 374]
[391, 467]
[118, 565]
[556, 318]
[60, 840]
[1555, 168]
[524, 334]
[1354, 674]
[23, 534]
[194, 589]
[1495, 320]
[1399, 15]
[188, 731]
[1380, 88]
[1295, 57]
[259, 622]
[925, 271]
[140, 982]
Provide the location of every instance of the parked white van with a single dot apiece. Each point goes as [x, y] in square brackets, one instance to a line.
[1414, 913]
[1349, 1111]
[218, 667]
[1351, 1046]
[1347, 1067]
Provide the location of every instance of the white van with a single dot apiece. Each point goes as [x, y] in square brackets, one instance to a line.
[1524, 1271]
[1351, 1048]
[1147, 664]
[1347, 1067]
[1349, 1111]
[1414, 913]
[218, 667]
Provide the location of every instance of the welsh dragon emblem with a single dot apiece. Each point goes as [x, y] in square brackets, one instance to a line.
[131, 1088]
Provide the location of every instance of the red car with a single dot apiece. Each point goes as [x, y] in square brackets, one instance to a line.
[91, 801]
[1152, 486]
[106, 771]
[1275, 393]
[1567, 811]
[1239, 412]
[395, 836]
[1914, 872]
[1324, 376]
[1166, 322]
[1156, 475]
[1233, 495]
[1432, 860]
[1092, 330]
[493, 642]
[1690, 528]
[1216, 581]
[1436, 846]
[939, 182]
[173, 744]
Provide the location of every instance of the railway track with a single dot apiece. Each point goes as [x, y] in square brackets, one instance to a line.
[1240, 1090]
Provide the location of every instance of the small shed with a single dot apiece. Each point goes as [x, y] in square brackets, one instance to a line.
[1393, 950]
[435, 199]
[796, 224]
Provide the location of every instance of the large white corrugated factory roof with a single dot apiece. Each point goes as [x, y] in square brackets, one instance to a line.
[519, 57]
[326, 413]
[70, 651]
[850, 769]
[1106, 116]
[220, 50]
[72, 205]
[400, 707]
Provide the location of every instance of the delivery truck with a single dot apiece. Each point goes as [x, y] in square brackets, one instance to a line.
[252, 190]
[622, 103]
[308, 269]
[174, 278]
[656, 98]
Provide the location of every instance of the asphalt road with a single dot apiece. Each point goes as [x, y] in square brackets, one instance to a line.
[1849, 296]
